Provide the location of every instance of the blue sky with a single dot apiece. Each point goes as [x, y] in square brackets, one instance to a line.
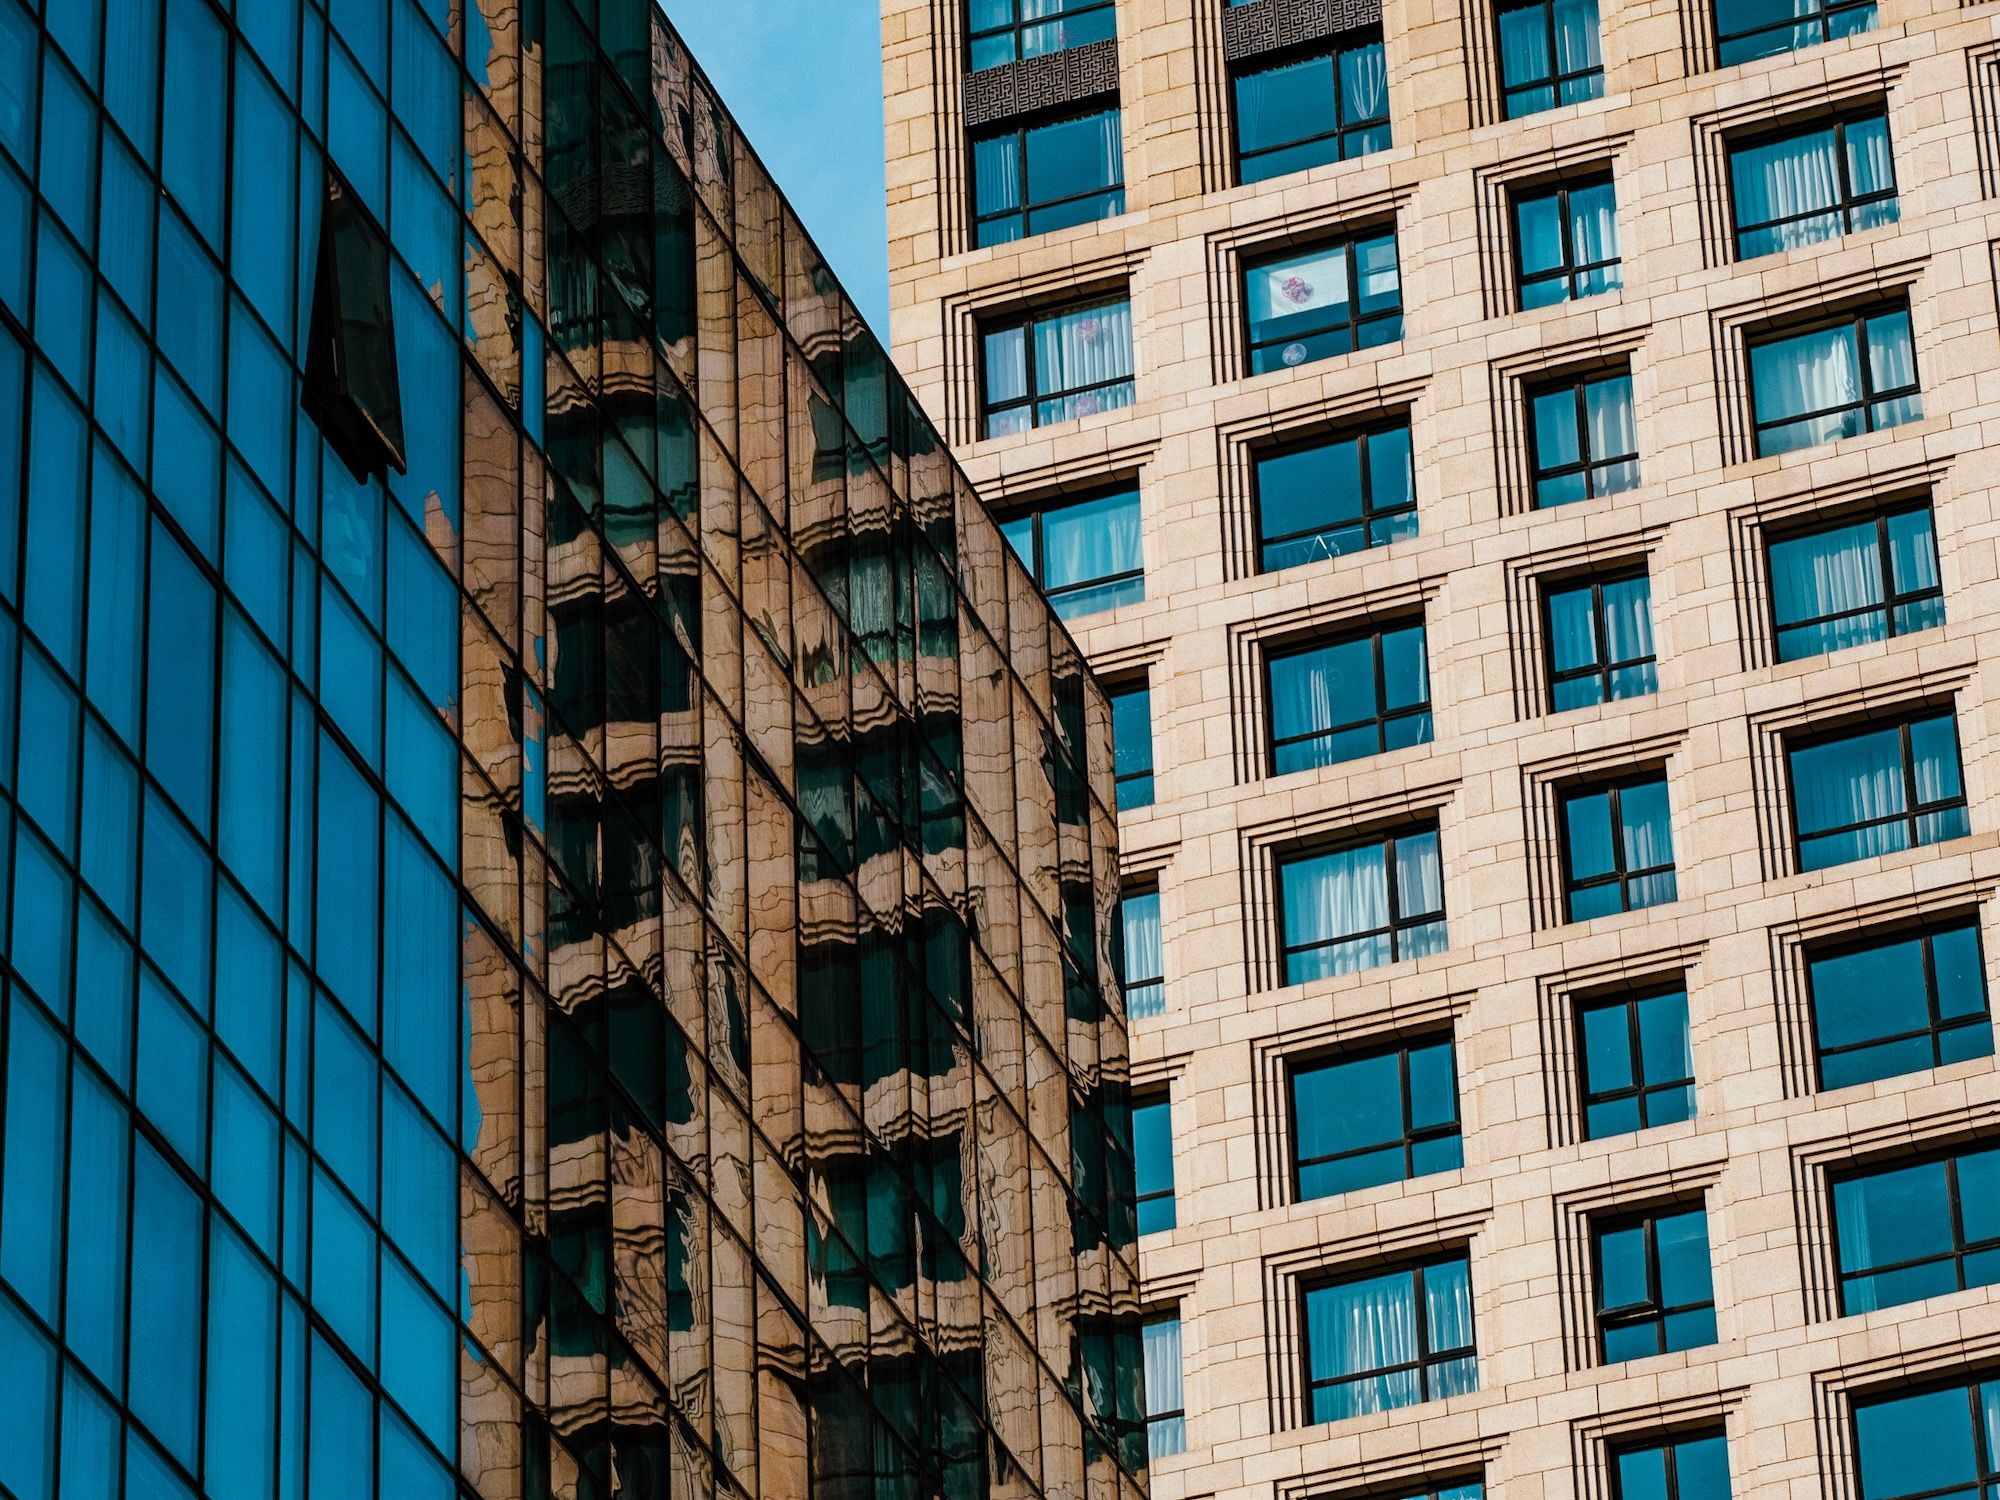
[804, 80]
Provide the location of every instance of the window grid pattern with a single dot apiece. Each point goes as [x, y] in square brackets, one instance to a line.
[1936, 1442]
[1549, 55]
[1900, 1004]
[1859, 793]
[1056, 367]
[1084, 554]
[1361, 905]
[1306, 111]
[1145, 977]
[1855, 581]
[1745, 30]
[1636, 1061]
[1914, 1230]
[1566, 243]
[1384, 1116]
[1004, 31]
[1689, 1466]
[1323, 302]
[1357, 696]
[1617, 847]
[1583, 439]
[1425, 1354]
[1799, 187]
[1840, 379]
[1655, 1292]
[1333, 496]
[1053, 174]
[1600, 641]
[1166, 1398]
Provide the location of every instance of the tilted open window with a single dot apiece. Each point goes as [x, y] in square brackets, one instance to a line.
[351, 388]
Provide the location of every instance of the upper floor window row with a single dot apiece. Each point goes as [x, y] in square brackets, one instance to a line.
[1031, 179]
[1004, 31]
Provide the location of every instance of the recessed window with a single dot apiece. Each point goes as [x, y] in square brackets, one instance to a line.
[1918, 1229]
[1585, 441]
[1654, 1290]
[1618, 847]
[1035, 178]
[1153, 1162]
[1636, 1061]
[1844, 378]
[1343, 699]
[1942, 1442]
[1323, 302]
[1600, 633]
[352, 388]
[1693, 1467]
[1132, 744]
[1166, 1400]
[1363, 905]
[1862, 792]
[1377, 1342]
[1334, 496]
[1814, 184]
[1004, 31]
[1566, 242]
[1085, 554]
[1549, 55]
[1855, 581]
[1902, 1004]
[1747, 29]
[1382, 1117]
[1308, 111]
[1145, 981]
[1056, 367]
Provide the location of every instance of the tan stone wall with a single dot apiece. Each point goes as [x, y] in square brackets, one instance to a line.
[1759, 1148]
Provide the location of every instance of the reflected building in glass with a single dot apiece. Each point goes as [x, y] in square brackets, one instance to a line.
[559, 874]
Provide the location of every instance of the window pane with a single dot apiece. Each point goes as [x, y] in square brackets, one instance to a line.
[1153, 1164]
[1701, 1468]
[1359, 1326]
[1916, 1445]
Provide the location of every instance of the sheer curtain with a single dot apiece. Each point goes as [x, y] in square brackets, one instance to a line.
[1524, 46]
[1786, 181]
[1811, 373]
[1419, 877]
[1333, 896]
[1850, 781]
[996, 175]
[1364, 85]
[1097, 539]
[1607, 406]
[1593, 227]
[1576, 37]
[1164, 1391]
[1360, 1327]
[1831, 573]
[1087, 347]
[1144, 993]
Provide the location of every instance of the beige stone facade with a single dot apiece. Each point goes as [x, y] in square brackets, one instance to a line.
[1787, 1370]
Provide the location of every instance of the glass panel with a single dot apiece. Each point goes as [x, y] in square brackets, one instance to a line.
[1804, 389]
[1153, 1164]
[1360, 1326]
[1684, 1268]
[1642, 1474]
[1887, 1218]
[1916, 1445]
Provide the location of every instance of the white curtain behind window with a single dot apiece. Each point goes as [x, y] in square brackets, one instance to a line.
[1783, 180]
[1085, 347]
[1360, 1327]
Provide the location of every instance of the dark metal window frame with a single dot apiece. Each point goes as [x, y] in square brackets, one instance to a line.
[1600, 630]
[1157, 1098]
[1150, 982]
[1587, 463]
[1571, 270]
[1178, 1413]
[1556, 79]
[1847, 202]
[1857, 323]
[1987, 1461]
[1885, 562]
[1027, 322]
[1619, 875]
[1018, 27]
[1038, 512]
[1820, 18]
[1348, 244]
[1960, 1246]
[1333, 48]
[1363, 439]
[1652, 1312]
[1018, 131]
[1428, 1359]
[1914, 812]
[1410, 1138]
[1381, 717]
[1668, 1444]
[1926, 934]
[1400, 923]
[1642, 1088]
[1113, 691]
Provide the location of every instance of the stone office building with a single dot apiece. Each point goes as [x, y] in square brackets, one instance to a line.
[559, 881]
[1521, 469]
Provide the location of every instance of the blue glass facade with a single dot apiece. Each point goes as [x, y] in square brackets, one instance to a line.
[513, 983]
